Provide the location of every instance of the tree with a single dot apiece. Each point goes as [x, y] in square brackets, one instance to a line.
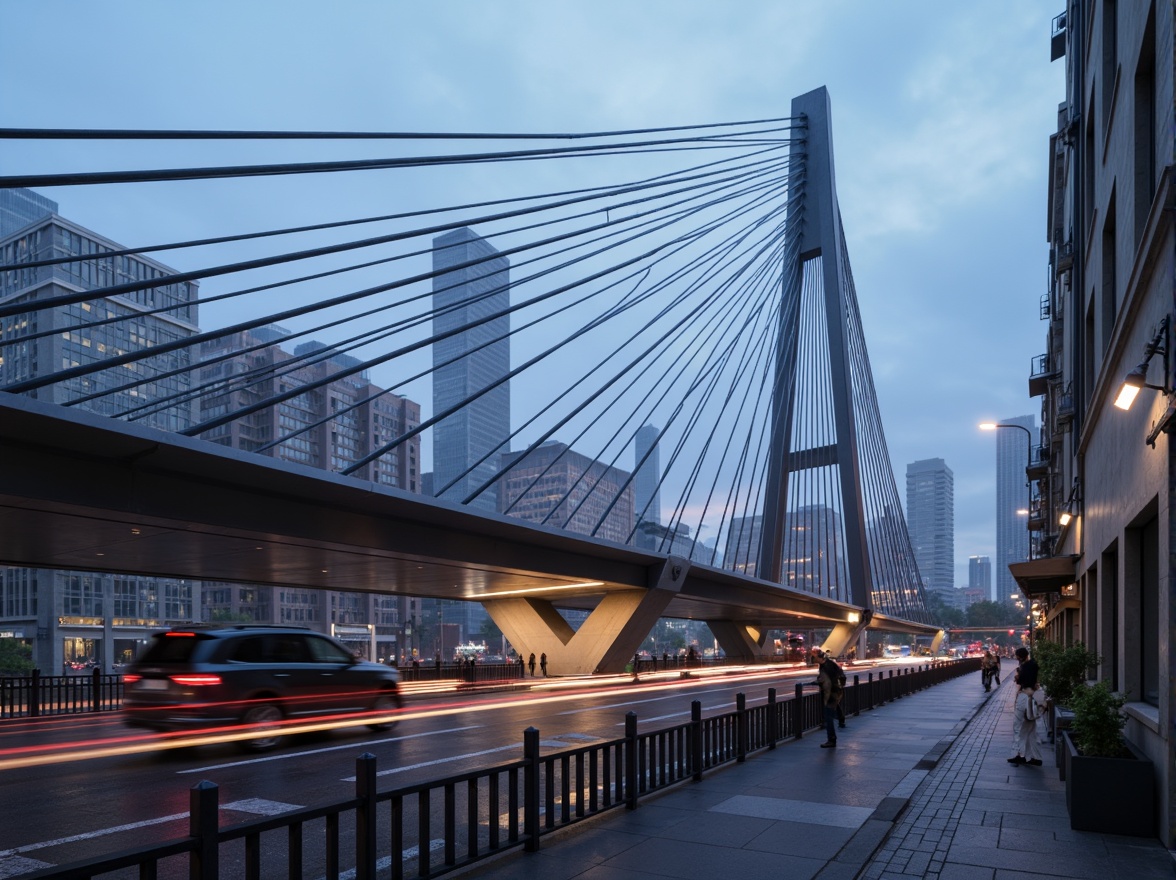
[994, 614]
[942, 613]
[16, 658]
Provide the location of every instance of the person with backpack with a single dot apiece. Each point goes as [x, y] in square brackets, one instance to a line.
[831, 681]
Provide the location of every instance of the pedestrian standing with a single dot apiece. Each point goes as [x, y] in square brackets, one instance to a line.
[531, 664]
[522, 671]
[987, 665]
[829, 679]
[543, 664]
[1025, 746]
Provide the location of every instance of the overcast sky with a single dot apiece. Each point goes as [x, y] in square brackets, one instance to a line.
[941, 118]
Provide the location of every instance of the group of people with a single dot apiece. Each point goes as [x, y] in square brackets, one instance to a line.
[531, 663]
[1028, 707]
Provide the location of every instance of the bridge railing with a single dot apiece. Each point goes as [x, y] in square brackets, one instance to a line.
[432, 828]
[35, 694]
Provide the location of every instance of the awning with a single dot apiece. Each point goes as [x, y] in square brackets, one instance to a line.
[1040, 576]
[1064, 605]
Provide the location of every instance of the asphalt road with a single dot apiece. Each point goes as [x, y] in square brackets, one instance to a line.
[83, 802]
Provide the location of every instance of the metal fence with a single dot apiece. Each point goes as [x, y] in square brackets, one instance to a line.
[34, 695]
[431, 828]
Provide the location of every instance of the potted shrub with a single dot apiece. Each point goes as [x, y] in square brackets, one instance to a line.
[1061, 671]
[1110, 785]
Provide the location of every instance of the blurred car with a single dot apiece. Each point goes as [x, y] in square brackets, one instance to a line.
[260, 676]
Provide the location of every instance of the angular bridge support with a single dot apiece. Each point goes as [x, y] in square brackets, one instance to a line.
[739, 641]
[606, 641]
[846, 634]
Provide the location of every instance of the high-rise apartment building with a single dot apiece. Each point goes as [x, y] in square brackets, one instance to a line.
[73, 617]
[1013, 448]
[471, 292]
[980, 575]
[930, 501]
[339, 419]
[561, 488]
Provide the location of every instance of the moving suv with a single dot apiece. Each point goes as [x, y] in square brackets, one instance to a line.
[261, 676]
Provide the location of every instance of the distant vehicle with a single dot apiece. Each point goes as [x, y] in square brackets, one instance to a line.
[791, 648]
[252, 675]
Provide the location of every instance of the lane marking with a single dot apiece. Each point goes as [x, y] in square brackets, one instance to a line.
[288, 755]
[750, 703]
[517, 747]
[260, 806]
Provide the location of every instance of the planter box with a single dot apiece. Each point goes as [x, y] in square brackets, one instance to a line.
[1110, 795]
[1061, 721]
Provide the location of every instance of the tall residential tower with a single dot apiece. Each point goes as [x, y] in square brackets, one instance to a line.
[931, 521]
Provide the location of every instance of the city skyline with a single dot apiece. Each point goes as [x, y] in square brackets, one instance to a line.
[938, 150]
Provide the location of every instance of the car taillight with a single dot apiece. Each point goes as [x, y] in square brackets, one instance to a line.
[130, 679]
[195, 680]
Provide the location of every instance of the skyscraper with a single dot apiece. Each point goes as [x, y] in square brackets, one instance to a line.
[471, 291]
[20, 207]
[931, 521]
[1012, 495]
[980, 574]
[645, 481]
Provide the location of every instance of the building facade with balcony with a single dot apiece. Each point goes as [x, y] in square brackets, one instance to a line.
[1106, 479]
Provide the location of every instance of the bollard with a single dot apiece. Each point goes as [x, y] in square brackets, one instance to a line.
[365, 817]
[531, 789]
[631, 745]
[202, 825]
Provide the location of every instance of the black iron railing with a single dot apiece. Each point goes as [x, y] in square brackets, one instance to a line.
[35, 694]
[432, 828]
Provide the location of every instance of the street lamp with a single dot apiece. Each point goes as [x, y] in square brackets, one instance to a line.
[992, 426]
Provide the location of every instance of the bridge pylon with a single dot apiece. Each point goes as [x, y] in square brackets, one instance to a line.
[832, 520]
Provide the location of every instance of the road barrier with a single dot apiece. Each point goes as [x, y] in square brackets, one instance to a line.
[34, 695]
[485, 812]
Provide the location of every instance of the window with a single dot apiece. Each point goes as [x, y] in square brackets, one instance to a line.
[1144, 130]
[1143, 581]
[1109, 293]
[1110, 57]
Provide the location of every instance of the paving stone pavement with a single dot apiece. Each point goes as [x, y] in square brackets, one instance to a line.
[919, 787]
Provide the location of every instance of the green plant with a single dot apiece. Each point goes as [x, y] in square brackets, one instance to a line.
[1063, 669]
[16, 658]
[1097, 728]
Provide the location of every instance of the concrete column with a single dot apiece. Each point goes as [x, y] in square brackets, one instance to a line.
[739, 641]
[606, 641]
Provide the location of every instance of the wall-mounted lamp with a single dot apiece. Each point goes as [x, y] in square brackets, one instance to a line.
[1064, 519]
[1137, 378]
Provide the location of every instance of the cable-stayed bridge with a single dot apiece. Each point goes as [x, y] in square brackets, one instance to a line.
[649, 385]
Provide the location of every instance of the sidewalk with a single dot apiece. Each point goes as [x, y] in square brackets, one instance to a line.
[919, 787]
